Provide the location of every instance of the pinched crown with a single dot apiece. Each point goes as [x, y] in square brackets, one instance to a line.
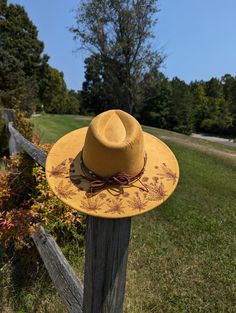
[113, 144]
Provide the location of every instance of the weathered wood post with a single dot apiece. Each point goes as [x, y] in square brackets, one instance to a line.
[107, 242]
[9, 117]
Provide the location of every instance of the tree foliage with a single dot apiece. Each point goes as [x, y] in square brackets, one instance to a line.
[20, 58]
[20, 38]
[72, 103]
[55, 91]
[98, 94]
[26, 80]
[55, 96]
[155, 110]
[119, 32]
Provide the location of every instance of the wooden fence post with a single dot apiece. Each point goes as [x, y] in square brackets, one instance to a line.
[107, 242]
[9, 117]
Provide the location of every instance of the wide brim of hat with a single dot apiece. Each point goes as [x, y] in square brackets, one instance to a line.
[158, 182]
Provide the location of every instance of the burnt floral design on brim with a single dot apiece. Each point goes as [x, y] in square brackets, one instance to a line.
[138, 201]
[159, 179]
[65, 190]
[168, 173]
[156, 192]
[91, 204]
[115, 205]
[60, 170]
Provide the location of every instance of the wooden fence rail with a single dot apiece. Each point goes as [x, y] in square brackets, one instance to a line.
[37, 154]
[65, 280]
[106, 252]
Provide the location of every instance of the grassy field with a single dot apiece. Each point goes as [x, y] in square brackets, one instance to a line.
[53, 127]
[182, 255]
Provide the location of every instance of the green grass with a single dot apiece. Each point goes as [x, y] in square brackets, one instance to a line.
[182, 256]
[53, 127]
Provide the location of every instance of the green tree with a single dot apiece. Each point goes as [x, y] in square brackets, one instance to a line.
[72, 103]
[229, 87]
[119, 32]
[16, 89]
[19, 37]
[155, 108]
[20, 58]
[100, 91]
[213, 88]
[212, 112]
[55, 92]
[218, 118]
[93, 95]
[181, 116]
[200, 103]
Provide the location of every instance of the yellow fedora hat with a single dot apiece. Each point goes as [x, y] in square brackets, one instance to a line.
[112, 169]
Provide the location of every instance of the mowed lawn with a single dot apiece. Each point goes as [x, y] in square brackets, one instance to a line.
[51, 127]
[182, 256]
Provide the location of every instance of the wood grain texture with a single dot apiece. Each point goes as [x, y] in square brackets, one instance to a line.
[9, 117]
[107, 242]
[37, 154]
[14, 147]
[17, 141]
[66, 282]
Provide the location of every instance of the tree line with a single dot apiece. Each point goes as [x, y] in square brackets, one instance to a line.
[122, 71]
[200, 106]
[27, 81]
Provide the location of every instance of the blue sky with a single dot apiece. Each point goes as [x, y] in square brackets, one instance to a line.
[198, 37]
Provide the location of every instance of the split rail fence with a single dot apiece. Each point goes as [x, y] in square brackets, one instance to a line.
[106, 251]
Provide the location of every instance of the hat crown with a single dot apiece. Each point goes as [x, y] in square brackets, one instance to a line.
[113, 130]
[113, 144]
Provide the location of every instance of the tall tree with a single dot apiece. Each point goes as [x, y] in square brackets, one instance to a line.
[55, 92]
[212, 112]
[19, 36]
[20, 57]
[94, 98]
[156, 103]
[120, 32]
[200, 103]
[213, 88]
[218, 118]
[100, 91]
[16, 89]
[181, 117]
[72, 103]
[229, 87]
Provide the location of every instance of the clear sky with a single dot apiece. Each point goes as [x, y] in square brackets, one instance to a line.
[198, 37]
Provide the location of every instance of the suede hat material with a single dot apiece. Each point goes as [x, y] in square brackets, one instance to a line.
[112, 169]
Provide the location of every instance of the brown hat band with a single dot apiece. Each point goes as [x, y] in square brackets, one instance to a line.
[97, 183]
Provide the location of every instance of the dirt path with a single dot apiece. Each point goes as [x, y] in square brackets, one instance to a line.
[202, 147]
[223, 141]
